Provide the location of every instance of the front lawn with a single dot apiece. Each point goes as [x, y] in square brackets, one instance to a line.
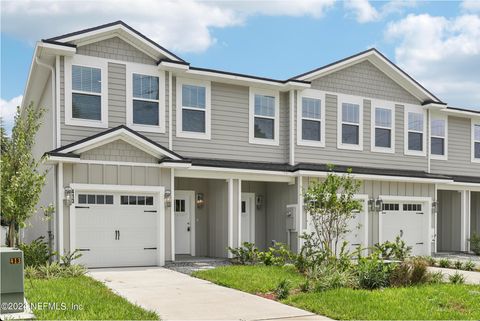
[80, 298]
[423, 302]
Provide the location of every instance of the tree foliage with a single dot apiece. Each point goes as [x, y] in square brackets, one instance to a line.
[331, 204]
[21, 178]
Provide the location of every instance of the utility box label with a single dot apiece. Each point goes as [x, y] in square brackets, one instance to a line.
[15, 260]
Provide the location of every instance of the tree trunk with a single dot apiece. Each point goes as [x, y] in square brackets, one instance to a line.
[12, 234]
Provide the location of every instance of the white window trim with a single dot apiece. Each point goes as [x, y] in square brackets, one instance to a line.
[475, 122]
[445, 138]
[148, 71]
[208, 108]
[92, 62]
[315, 94]
[342, 98]
[418, 110]
[385, 105]
[276, 118]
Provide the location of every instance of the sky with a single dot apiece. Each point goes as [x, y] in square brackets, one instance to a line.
[436, 42]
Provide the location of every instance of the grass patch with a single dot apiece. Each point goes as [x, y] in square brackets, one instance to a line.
[252, 279]
[97, 302]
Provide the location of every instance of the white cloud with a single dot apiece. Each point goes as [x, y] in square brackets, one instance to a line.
[364, 11]
[443, 54]
[8, 108]
[183, 26]
[471, 5]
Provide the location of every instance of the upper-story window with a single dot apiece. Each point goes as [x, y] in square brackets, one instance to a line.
[145, 98]
[438, 137]
[193, 108]
[415, 131]
[264, 117]
[350, 129]
[383, 127]
[311, 118]
[85, 92]
[476, 141]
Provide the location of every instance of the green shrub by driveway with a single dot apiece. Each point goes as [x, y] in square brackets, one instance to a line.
[97, 302]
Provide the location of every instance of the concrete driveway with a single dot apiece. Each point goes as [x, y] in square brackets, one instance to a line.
[176, 296]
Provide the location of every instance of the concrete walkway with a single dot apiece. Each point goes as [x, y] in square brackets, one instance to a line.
[471, 277]
[176, 296]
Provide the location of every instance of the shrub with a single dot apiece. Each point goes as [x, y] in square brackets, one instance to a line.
[373, 273]
[36, 253]
[283, 289]
[412, 271]
[419, 270]
[430, 260]
[397, 250]
[475, 243]
[305, 286]
[332, 278]
[49, 270]
[456, 278]
[278, 255]
[245, 255]
[73, 270]
[68, 257]
[54, 270]
[445, 263]
[401, 275]
[435, 277]
[469, 266]
[458, 264]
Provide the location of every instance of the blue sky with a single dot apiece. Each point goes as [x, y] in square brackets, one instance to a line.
[438, 43]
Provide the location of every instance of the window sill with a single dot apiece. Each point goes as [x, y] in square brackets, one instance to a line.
[193, 135]
[382, 150]
[147, 128]
[86, 123]
[439, 157]
[415, 153]
[261, 141]
[311, 143]
[350, 147]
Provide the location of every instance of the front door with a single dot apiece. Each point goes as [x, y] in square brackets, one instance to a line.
[184, 223]
[248, 218]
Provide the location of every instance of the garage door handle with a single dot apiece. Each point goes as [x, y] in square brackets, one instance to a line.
[83, 250]
[82, 206]
[149, 248]
[419, 243]
[150, 211]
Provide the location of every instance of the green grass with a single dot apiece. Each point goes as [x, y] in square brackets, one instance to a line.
[252, 279]
[97, 302]
[426, 302]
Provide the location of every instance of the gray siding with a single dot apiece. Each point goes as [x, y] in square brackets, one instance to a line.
[332, 155]
[119, 151]
[259, 189]
[475, 214]
[364, 79]
[116, 49]
[229, 136]
[459, 150]
[449, 220]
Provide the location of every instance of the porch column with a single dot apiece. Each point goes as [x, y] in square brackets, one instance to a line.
[172, 212]
[464, 219]
[239, 213]
[300, 212]
[59, 236]
[230, 213]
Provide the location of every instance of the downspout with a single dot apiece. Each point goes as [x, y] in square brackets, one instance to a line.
[170, 107]
[292, 124]
[51, 234]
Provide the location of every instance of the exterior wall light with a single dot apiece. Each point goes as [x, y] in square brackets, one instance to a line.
[168, 198]
[371, 205]
[259, 201]
[200, 200]
[68, 196]
[378, 204]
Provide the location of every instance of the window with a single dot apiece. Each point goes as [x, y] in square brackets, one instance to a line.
[193, 108]
[311, 115]
[414, 131]
[350, 134]
[438, 137]
[476, 142]
[264, 117]
[86, 92]
[412, 207]
[390, 207]
[383, 127]
[98, 199]
[136, 200]
[180, 206]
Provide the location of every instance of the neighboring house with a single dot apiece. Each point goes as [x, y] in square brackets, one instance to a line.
[151, 157]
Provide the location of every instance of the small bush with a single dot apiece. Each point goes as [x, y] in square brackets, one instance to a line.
[54, 270]
[305, 286]
[444, 263]
[458, 264]
[245, 255]
[283, 289]
[397, 250]
[30, 272]
[278, 255]
[49, 270]
[469, 265]
[36, 253]
[334, 279]
[475, 243]
[419, 270]
[411, 271]
[435, 277]
[373, 273]
[68, 257]
[401, 275]
[430, 260]
[74, 270]
[456, 278]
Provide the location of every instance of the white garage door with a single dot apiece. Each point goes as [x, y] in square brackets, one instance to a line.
[409, 220]
[116, 229]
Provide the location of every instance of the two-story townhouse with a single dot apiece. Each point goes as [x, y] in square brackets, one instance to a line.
[151, 158]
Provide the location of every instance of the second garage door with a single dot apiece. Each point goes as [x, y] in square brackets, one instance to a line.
[116, 229]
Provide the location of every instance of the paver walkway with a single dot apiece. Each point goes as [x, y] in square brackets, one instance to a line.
[177, 296]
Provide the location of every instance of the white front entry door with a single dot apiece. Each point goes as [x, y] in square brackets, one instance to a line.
[116, 229]
[248, 218]
[184, 222]
[408, 220]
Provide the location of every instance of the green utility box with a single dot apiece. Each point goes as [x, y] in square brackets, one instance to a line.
[11, 282]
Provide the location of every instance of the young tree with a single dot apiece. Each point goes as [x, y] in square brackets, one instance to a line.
[331, 204]
[21, 178]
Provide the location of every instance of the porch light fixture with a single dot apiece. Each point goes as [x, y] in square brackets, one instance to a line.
[200, 200]
[68, 195]
[168, 198]
[259, 201]
[378, 204]
[434, 206]
[371, 205]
